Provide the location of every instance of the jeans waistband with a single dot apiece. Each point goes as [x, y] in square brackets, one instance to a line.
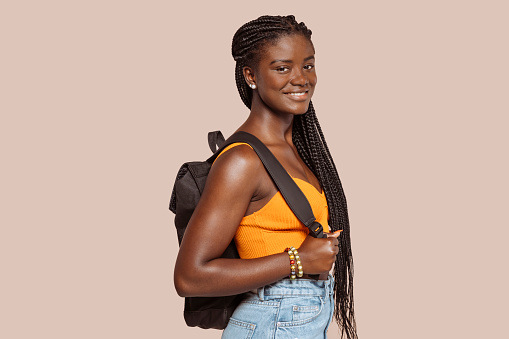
[297, 287]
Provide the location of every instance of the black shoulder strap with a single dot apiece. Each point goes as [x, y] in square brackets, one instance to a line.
[216, 140]
[292, 194]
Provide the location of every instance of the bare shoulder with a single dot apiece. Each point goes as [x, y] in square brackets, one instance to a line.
[237, 163]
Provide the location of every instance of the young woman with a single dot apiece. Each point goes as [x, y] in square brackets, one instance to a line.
[276, 78]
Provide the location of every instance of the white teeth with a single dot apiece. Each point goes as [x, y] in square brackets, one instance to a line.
[297, 94]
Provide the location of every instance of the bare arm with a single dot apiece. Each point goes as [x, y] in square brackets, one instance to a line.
[233, 181]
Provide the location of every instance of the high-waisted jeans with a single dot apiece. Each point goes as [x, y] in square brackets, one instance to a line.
[301, 308]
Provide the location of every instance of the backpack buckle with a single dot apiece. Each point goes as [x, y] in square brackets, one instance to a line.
[316, 230]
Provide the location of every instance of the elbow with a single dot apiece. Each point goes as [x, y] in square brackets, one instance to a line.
[181, 286]
[186, 282]
[189, 278]
[181, 291]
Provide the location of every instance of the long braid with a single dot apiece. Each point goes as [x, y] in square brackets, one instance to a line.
[310, 143]
[326, 172]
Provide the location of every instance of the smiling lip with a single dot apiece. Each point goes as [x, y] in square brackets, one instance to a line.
[298, 96]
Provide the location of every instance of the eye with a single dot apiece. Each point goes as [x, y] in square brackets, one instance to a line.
[282, 69]
[308, 67]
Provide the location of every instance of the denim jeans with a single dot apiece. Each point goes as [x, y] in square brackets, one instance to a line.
[301, 308]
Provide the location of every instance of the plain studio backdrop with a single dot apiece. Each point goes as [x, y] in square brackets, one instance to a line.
[102, 101]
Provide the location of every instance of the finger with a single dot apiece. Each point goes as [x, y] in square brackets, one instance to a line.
[334, 235]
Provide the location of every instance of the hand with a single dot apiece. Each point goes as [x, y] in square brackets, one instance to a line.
[319, 254]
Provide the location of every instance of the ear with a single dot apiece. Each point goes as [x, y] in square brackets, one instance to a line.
[249, 76]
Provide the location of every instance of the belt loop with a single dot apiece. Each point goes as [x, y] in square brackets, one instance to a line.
[261, 293]
[331, 284]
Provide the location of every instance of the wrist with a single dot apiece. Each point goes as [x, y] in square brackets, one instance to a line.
[296, 270]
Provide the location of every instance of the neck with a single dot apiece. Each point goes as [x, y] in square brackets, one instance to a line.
[269, 126]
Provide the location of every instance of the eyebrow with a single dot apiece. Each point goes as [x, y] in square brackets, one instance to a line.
[290, 61]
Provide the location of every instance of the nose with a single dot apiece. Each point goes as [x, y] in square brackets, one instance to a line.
[299, 78]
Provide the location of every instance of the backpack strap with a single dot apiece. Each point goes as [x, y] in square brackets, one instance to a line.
[292, 194]
[216, 140]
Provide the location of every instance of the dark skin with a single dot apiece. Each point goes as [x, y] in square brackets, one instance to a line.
[239, 185]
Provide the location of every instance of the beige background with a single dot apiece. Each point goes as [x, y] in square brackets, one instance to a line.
[102, 101]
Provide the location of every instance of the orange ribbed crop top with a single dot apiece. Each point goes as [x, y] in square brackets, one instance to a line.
[274, 227]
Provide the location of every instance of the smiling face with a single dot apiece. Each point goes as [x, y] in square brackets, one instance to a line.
[284, 76]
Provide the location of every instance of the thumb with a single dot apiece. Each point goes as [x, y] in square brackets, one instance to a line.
[334, 235]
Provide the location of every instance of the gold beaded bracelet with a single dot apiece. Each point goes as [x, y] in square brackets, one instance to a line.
[295, 263]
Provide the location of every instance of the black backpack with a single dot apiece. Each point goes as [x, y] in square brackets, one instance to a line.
[215, 312]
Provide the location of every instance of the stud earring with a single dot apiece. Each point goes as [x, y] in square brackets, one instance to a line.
[253, 86]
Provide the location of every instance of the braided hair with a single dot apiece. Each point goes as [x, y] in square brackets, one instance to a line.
[247, 45]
